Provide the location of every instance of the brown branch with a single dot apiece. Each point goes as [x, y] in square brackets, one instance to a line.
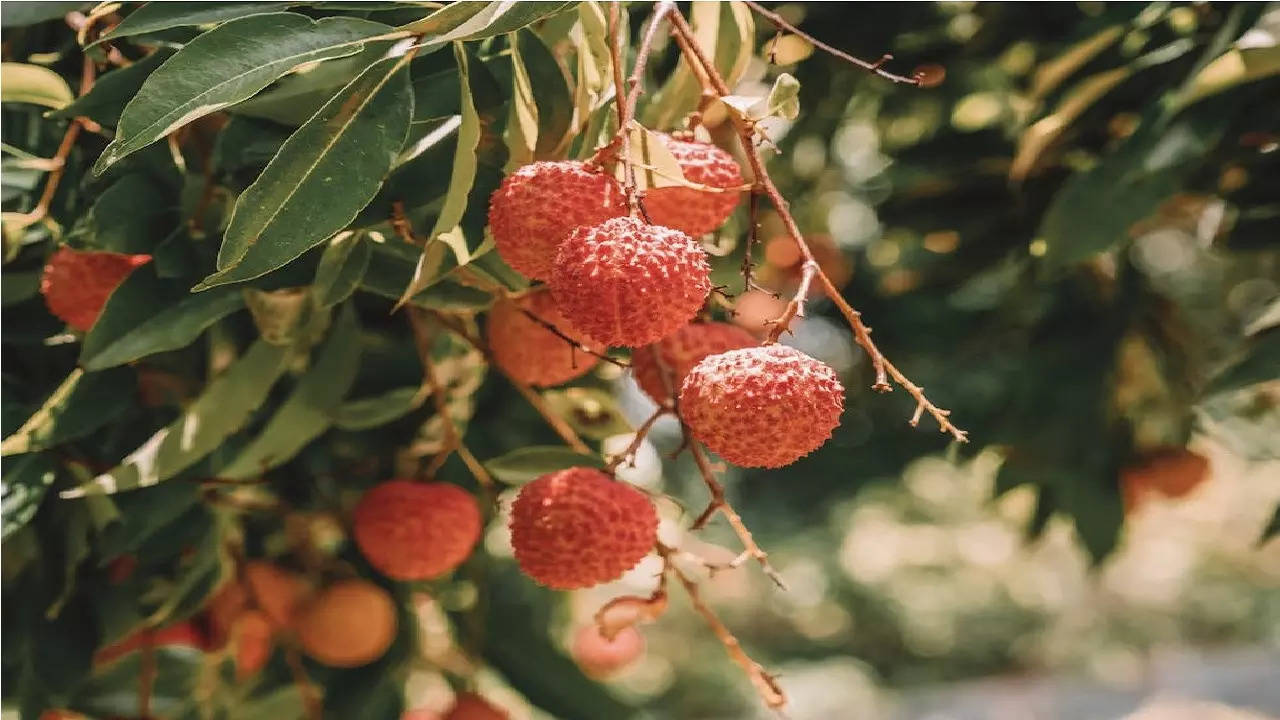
[627, 94]
[58, 162]
[753, 230]
[795, 306]
[861, 333]
[628, 454]
[575, 344]
[875, 68]
[535, 399]
[764, 683]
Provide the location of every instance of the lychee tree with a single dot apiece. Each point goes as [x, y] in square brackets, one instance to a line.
[306, 302]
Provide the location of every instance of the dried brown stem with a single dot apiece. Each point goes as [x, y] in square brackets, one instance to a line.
[58, 163]
[795, 306]
[861, 333]
[875, 68]
[627, 93]
[628, 454]
[576, 345]
[535, 399]
[753, 230]
[764, 683]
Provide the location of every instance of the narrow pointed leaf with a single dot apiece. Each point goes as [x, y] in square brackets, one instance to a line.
[370, 412]
[226, 65]
[529, 463]
[23, 83]
[478, 20]
[341, 267]
[81, 404]
[155, 16]
[222, 409]
[324, 174]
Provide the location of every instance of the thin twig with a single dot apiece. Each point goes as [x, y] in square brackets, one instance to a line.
[764, 683]
[871, 67]
[561, 428]
[628, 454]
[627, 94]
[795, 306]
[861, 333]
[573, 343]
[58, 162]
[753, 230]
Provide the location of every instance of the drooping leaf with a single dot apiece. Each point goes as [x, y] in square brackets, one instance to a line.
[83, 403]
[226, 65]
[325, 173]
[551, 92]
[18, 14]
[469, 20]
[652, 162]
[154, 16]
[133, 215]
[223, 407]
[23, 83]
[529, 463]
[1236, 67]
[341, 267]
[298, 95]
[726, 31]
[371, 412]
[783, 100]
[310, 408]
[130, 327]
[111, 92]
[26, 480]
[522, 127]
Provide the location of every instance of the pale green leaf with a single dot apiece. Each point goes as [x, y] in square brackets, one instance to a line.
[341, 267]
[155, 16]
[477, 20]
[529, 463]
[223, 408]
[726, 31]
[324, 174]
[33, 84]
[81, 404]
[371, 412]
[227, 65]
[653, 164]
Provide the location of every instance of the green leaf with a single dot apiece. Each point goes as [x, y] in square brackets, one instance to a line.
[522, 126]
[155, 16]
[652, 161]
[341, 267]
[592, 412]
[378, 410]
[726, 31]
[1261, 363]
[478, 20]
[130, 327]
[529, 463]
[782, 101]
[18, 14]
[111, 92]
[133, 215]
[298, 96]
[83, 403]
[33, 84]
[325, 173]
[435, 95]
[310, 408]
[550, 91]
[26, 480]
[221, 409]
[461, 178]
[18, 287]
[225, 66]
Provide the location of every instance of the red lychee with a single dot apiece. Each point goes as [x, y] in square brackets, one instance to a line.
[763, 406]
[693, 211]
[537, 206]
[76, 284]
[348, 624]
[275, 591]
[468, 706]
[680, 351]
[252, 637]
[600, 657]
[416, 531]
[625, 282]
[531, 353]
[578, 527]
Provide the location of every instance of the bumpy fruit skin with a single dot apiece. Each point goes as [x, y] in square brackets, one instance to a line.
[578, 527]
[625, 282]
[1171, 472]
[537, 206]
[763, 406]
[600, 657]
[696, 212]
[348, 624]
[76, 284]
[416, 531]
[531, 353]
[473, 707]
[680, 351]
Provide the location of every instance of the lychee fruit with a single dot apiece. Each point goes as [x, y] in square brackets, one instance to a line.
[578, 527]
[416, 531]
[696, 211]
[764, 406]
[1170, 472]
[528, 351]
[625, 282]
[251, 635]
[468, 706]
[601, 657]
[76, 284]
[679, 352]
[348, 624]
[275, 591]
[755, 311]
[537, 206]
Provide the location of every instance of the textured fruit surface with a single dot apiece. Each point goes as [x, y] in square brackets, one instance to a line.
[680, 351]
[348, 624]
[537, 206]
[275, 591]
[1169, 472]
[600, 657]
[578, 527]
[696, 212]
[530, 352]
[76, 284]
[762, 406]
[625, 282]
[473, 707]
[416, 531]
[251, 635]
